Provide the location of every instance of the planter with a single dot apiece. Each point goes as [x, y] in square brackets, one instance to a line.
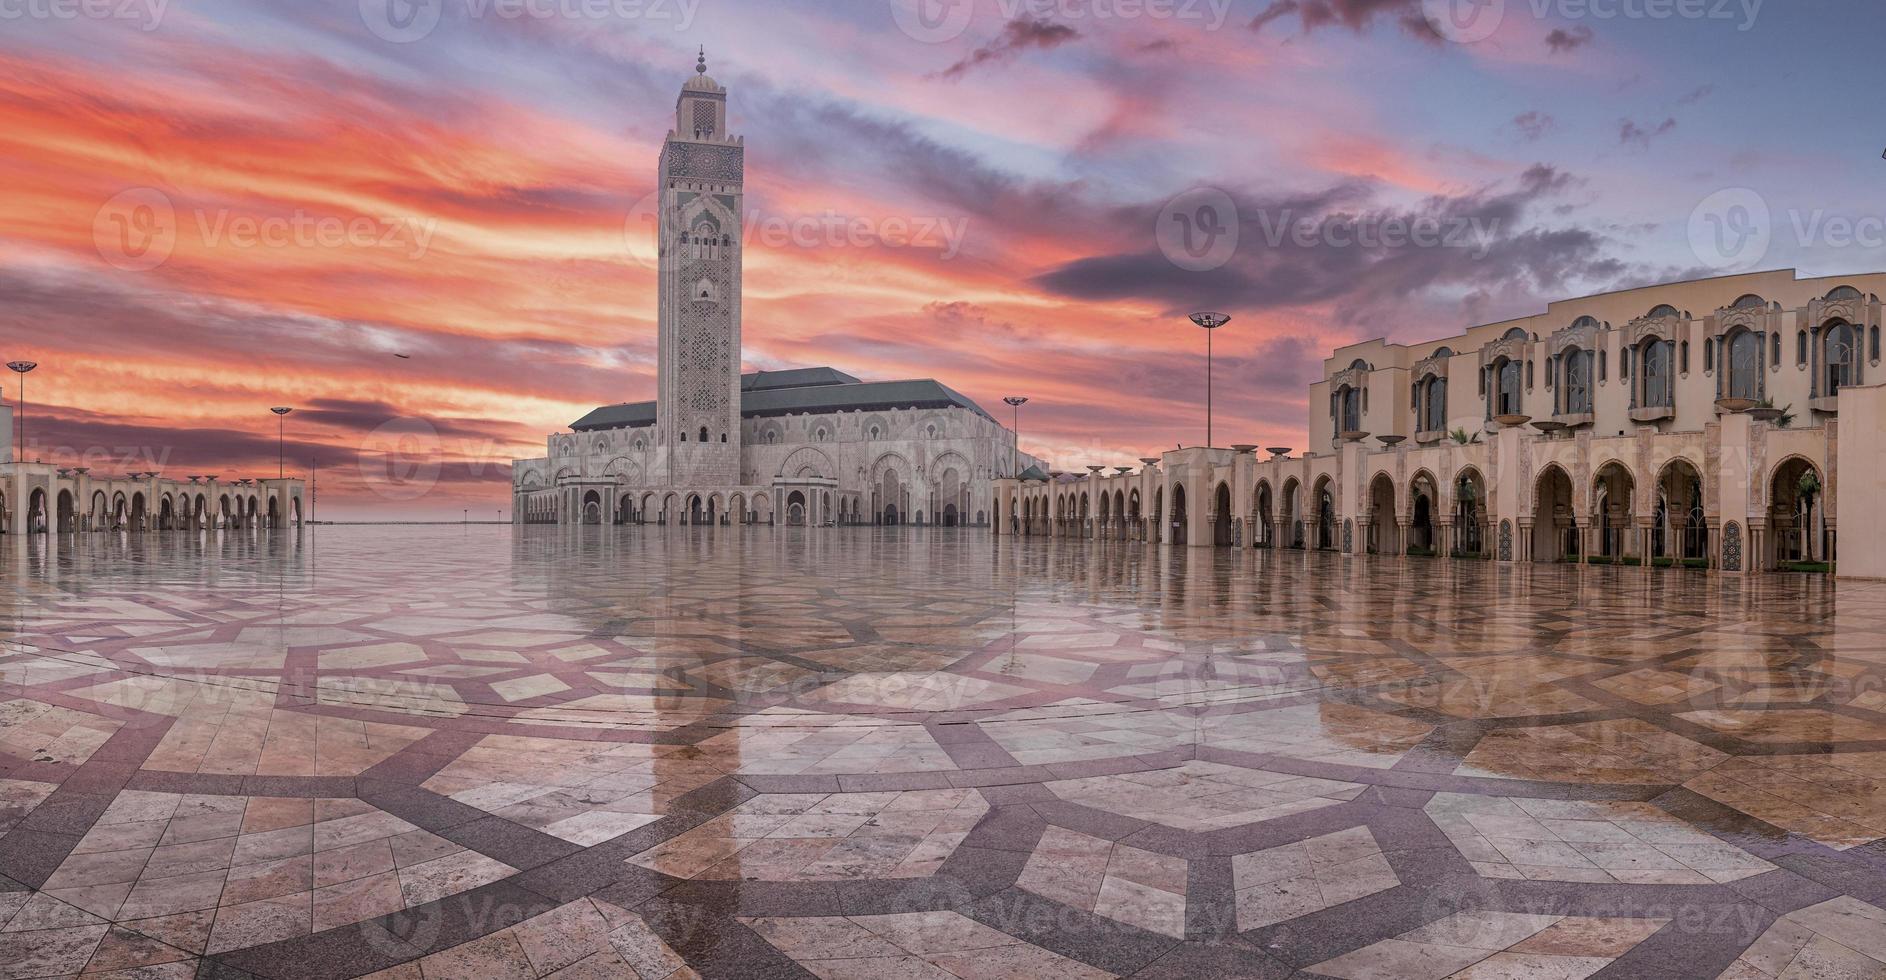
[1510, 421]
[1764, 414]
[1277, 450]
[1353, 435]
[1390, 441]
[1737, 405]
[1244, 447]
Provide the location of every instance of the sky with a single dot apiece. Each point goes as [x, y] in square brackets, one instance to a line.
[210, 208]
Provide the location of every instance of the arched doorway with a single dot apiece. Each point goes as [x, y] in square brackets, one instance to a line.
[66, 522]
[1383, 533]
[1261, 535]
[1325, 516]
[1469, 514]
[1421, 513]
[795, 509]
[1554, 533]
[949, 515]
[36, 522]
[1221, 517]
[1795, 519]
[1682, 528]
[1613, 491]
[1177, 524]
[592, 507]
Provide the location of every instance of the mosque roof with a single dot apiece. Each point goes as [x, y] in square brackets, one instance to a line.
[801, 391]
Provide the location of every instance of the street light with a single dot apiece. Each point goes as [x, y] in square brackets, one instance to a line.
[281, 444]
[1210, 321]
[1015, 403]
[20, 368]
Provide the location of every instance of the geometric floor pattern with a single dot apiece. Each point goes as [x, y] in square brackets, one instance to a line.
[421, 753]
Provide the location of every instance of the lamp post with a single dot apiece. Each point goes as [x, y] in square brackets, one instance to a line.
[281, 441]
[1210, 321]
[1015, 403]
[20, 368]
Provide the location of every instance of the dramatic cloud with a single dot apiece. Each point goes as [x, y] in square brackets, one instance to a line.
[1562, 40]
[1356, 15]
[1630, 133]
[1534, 125]
[1355, 258]
[1021, 34]
[498, 164]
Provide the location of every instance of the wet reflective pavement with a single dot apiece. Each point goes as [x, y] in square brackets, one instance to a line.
[446, 751]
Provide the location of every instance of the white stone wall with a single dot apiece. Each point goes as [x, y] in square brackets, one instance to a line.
[929, 452]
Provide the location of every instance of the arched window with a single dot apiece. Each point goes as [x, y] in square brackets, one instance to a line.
[1843, 292]
[1658, 389]
[1709, 354]
[1577, 394]
[1839, 351]
[1358, 365]
[1750, 302]
[1507, 397]
[1349, 409]
[1434, 416]
[1660, 312]
[684, 437]
[1774, 353]
[1744, 365]
[1875, 345]
[1800, 347]
[1517, 333]
[703, 433]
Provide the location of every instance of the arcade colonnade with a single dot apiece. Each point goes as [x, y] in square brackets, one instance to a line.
[1741, 495]
[40, 498]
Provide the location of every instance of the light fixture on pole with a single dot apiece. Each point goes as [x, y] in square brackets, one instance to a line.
[20, 368]
[281, 441]
[1210, 321]
[1015, 403]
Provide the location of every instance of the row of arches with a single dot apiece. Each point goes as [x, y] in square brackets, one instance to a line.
[47, 511]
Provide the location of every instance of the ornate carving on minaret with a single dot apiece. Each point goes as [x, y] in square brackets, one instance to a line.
[698, 404]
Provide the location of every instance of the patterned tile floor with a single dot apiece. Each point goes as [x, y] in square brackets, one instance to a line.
[439, 752]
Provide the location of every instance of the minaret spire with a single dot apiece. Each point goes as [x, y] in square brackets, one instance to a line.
[700, 65]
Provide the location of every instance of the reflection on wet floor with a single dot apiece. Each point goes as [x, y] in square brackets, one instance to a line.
[864, 750]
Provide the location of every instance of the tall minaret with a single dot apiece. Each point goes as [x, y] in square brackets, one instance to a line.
[697, 409]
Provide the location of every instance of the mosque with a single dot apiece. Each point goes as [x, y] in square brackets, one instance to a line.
[811, 446]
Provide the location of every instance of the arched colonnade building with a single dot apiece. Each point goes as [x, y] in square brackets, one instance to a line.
[40, 498]
[1709, 424]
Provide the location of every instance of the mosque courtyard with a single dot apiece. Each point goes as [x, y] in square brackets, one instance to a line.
[574, 751]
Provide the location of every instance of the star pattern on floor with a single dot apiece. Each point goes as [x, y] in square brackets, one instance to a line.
[570, 752]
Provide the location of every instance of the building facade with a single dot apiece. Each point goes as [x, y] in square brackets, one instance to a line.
[1707, 424]
[813, 446]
